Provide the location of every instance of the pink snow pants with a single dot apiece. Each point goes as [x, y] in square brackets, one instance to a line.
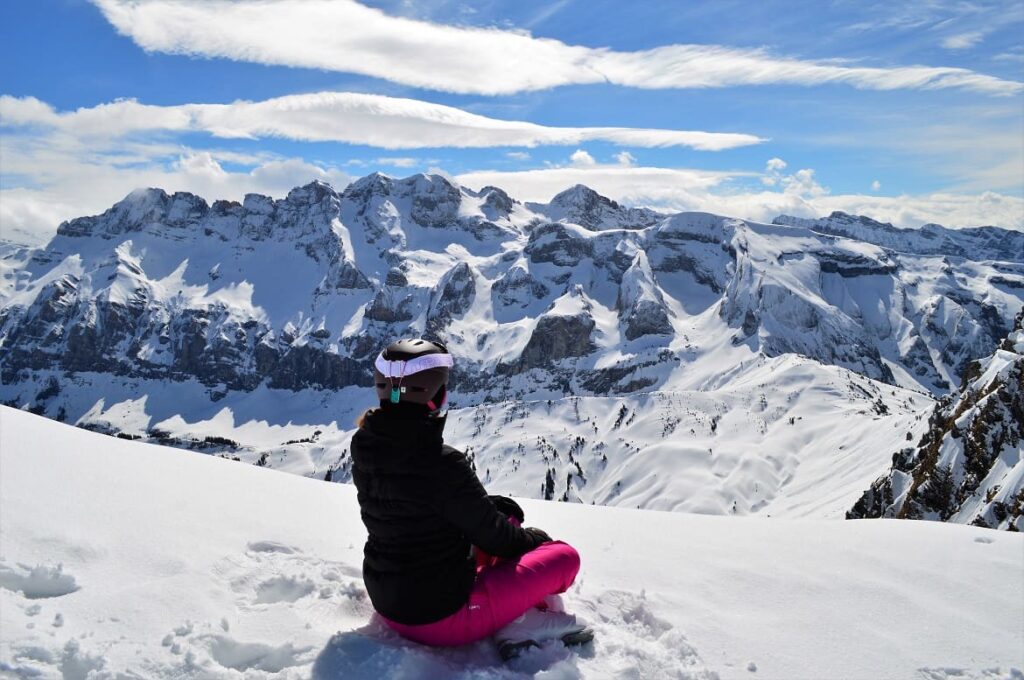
[504, 589]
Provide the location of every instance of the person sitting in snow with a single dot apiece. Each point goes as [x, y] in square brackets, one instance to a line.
[446, 564]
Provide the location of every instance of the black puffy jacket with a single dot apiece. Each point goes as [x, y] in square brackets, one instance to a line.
[423, 507]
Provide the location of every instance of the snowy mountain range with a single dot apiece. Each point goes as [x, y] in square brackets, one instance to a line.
[604, 354]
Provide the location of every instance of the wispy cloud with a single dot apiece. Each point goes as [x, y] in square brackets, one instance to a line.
[1012, 54]
[399, 161]
[373, 120]
[547, 12]
[954, 24]
[963, 41]
[342, 35]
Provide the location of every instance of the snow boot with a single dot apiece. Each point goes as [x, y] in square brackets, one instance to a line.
[537, 626]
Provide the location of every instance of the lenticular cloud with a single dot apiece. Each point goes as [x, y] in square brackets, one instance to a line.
[349, 117]
[344, 36]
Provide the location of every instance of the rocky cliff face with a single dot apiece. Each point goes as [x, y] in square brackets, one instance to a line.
[969, 466]
[581, 295]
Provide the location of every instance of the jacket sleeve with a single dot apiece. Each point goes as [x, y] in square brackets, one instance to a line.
[462, 500]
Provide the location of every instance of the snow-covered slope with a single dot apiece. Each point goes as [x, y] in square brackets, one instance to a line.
[778, 437]
[126, 560]
[781, 436]
[969, 466]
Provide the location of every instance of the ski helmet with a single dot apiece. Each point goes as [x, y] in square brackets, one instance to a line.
[413, 372]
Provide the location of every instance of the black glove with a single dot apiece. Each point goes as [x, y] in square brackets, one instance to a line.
[539, 534]
[508, 507]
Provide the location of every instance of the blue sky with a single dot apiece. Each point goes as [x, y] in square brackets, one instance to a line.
[908, 112]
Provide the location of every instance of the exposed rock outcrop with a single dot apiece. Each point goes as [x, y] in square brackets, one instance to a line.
[641, 305]
[969, 466]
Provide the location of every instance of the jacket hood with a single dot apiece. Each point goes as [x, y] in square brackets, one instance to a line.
[391, 439]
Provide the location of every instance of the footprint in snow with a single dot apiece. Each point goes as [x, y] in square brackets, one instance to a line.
[269, 574]
[283, 589]
[632, 641]
[255, 656]
[38, 582]
[272, 547]
[71, 662]
[969, 674]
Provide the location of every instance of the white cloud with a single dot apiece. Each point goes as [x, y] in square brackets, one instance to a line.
[773, 171]
[518, 155]
[635, 185]
[801, 183]
[625, 158]
[582, 159]
[342, 35]
[397, 161]
[348, 117]
[963, 41]
[876, 185]
[717, 192]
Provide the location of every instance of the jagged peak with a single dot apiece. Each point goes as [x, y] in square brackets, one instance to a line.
[143, 195]
[573, 302]
[313, 192]
[423, 183]
[377, 183]
[638, 282]
[580, 195]
[146, 197]
[374, 183]
[491, 189]
[258, 203]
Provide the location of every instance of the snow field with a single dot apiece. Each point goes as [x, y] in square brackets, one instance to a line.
[121, 559]
[781, 436]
